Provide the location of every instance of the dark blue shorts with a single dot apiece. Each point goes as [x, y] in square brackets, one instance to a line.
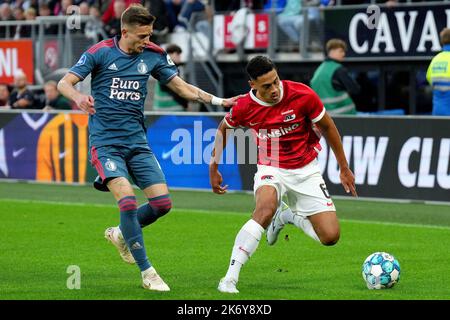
[137, 162]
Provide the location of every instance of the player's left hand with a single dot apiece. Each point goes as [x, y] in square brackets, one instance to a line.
[348, 181]
[228, 103]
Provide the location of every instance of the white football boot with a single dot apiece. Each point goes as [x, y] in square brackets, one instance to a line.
[227, 285]
[274, 228]
[152, 281]
[114, 235]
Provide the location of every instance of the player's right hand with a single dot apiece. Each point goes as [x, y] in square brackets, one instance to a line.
[228, 103]
[85, 103]
[215, 179]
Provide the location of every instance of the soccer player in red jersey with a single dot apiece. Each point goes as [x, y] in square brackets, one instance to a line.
[287, 119]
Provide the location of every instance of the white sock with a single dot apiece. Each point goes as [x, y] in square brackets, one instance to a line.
[245, 244]
[304, 224]
[287, 216]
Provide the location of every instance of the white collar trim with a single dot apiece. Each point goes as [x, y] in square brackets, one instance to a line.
[266, 104]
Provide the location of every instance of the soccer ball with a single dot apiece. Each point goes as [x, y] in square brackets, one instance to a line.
[381, 270]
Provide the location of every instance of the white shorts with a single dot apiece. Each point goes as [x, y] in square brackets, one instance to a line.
[304, 188]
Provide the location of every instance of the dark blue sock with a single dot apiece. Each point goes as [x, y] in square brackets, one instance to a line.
[153, 210]
[132, 232]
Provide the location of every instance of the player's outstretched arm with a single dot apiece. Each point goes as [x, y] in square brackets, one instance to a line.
[331, 134]
[67, 89]
[192, 93]
[215, 178]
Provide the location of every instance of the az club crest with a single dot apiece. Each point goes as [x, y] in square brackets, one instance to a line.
[289, 117]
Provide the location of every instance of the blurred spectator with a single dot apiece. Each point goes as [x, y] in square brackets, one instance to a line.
[61, 8]
[291, 19]
[84, 8]
[438, 75]
[74, 8]
[101, 5]
[51, 4]
[161, 25]
[30, 14]
[25, 31]
[18, 13]
[21, 97]
[31, 4]
[4, 96]
[173, 11]
[6, 14]
[94, 12]
[207, 8]
[53, 99]
[204, 25]
[164, 98]
[189, 7]
[108, 14]
[277, 5]
[332, 82]
[112, 28]
[92, 26]
[45, 11]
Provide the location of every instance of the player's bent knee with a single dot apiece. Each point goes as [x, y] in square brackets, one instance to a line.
[330, 238]
[164, 210]
[162, 205]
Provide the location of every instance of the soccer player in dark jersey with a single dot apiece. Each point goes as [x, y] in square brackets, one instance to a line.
[282, 116]
[120, 68]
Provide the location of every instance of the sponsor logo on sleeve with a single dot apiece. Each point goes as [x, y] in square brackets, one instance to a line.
[82, 61]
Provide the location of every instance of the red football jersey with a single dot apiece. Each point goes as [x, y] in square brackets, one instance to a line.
[283, 131]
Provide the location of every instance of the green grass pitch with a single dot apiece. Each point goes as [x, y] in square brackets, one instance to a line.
[47, 228]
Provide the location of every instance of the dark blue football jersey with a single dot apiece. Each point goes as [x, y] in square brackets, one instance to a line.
[119, 87]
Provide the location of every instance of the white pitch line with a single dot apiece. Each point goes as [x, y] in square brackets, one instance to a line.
[396, 224]
[113, 206]
[62, 203]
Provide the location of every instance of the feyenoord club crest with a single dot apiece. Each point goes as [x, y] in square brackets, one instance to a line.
[110, 165]
[142, 67]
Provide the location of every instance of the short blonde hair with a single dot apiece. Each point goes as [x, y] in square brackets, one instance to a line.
[136, 15]
[335, 44]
